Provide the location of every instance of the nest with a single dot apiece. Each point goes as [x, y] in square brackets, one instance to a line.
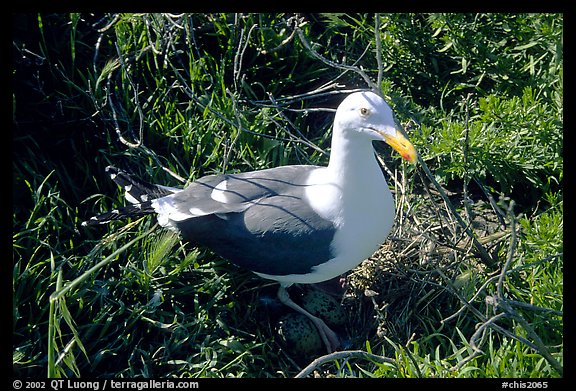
[431, 265]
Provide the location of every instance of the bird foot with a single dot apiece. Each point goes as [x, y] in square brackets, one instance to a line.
[328, 336]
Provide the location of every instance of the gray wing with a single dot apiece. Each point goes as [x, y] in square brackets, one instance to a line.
[217, 194]
[258, 220]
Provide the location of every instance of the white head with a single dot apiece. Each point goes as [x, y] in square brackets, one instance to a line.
[367, 116]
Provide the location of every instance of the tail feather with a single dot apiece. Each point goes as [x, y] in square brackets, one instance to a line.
[139, 193]
[134, 210]
[136, 189]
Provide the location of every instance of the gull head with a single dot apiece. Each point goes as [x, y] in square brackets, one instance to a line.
[365, 115]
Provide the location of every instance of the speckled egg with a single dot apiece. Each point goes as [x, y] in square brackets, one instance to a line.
[299, 335]
[324, 306]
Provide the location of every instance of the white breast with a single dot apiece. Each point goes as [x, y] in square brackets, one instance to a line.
[363, 213]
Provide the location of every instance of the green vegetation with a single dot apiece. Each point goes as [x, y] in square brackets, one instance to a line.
[175, 97]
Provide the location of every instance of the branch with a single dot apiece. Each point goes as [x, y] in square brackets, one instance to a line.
[378, 49]
[347, 354]
[333, 64]
[482, 253]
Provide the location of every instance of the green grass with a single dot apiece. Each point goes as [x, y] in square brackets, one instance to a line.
[175, 97]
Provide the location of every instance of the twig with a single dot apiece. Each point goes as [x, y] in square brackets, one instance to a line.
[378, 40]
[466, 198]
[239, 121]
[324, 90]
[171, 17]
[540, 346]
[500, 302]
[468, 303]
[115, 19]
[480, 333]
[285, 41]
[402, 202]
[511, 250]
[533, 307]
[347, 354]
[499, 213]
[483, 254]
[282, 44]
[239, 56]
[300, 136]
[333, 64]
[193, 97]
[138, 141]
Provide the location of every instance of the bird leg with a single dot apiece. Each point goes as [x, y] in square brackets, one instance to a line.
[328, 336]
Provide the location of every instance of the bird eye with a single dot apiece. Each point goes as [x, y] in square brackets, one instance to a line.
[364, 111]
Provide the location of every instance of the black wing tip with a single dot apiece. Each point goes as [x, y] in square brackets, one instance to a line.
[93, 221]
[113, 172]
[129, 211]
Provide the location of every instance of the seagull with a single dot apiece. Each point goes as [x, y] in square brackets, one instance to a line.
[294, 224]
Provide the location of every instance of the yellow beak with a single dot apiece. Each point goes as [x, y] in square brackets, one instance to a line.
[401, 145]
